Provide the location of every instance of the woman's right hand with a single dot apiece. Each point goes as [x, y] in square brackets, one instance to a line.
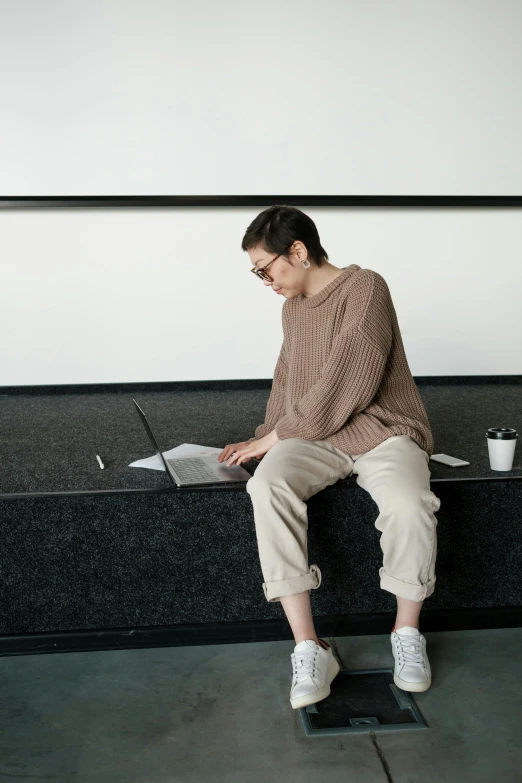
[230, 449]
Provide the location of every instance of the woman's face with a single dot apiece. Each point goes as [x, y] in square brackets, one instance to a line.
[288, 276]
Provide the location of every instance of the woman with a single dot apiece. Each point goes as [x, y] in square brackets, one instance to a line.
[343, 401]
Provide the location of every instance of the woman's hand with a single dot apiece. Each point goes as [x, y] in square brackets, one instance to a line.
[242, 452]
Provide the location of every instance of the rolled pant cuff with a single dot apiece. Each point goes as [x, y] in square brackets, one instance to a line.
[296, 584]
[406, 589]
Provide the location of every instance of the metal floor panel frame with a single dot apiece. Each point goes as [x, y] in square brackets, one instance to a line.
[352, 714]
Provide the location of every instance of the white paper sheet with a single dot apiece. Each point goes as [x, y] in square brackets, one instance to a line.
[185, 450]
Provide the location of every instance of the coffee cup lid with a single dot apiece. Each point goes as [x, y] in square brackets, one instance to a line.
[501, 433]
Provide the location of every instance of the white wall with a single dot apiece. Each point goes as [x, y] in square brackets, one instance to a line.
[324, 97]
[121, 97]
[137, 294]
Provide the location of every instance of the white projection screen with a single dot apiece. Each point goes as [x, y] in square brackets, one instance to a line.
[155, 131]
[333, 98]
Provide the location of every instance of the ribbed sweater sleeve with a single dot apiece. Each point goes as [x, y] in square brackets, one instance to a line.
[348, 383]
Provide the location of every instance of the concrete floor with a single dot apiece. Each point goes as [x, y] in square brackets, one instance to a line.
[222, 713]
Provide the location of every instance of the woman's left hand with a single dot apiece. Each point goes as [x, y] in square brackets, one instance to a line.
[257, 448]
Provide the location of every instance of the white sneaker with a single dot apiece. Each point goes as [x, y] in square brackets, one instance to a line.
[412, 668]
[314, 667]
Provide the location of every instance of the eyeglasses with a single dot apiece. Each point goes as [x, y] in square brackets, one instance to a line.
[261, 272]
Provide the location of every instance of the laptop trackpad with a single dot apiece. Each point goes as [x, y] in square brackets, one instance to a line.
[223, 471]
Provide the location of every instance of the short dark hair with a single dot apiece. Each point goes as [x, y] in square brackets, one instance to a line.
[278, 227]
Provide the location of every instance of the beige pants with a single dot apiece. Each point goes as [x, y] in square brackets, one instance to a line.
[397, 476]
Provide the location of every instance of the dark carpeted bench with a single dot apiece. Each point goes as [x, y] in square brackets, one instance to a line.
[119, 557]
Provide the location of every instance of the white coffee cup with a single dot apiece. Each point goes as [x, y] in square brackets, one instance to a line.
[501, 447]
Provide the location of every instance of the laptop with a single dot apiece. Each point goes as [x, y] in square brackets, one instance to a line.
[191, 471]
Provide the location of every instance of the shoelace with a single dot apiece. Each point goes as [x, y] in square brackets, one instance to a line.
[303, 664]
[411, 649]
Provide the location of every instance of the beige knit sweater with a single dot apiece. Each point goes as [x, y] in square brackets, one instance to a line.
[342, 373]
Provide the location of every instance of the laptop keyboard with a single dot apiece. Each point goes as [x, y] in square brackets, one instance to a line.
[192, 469]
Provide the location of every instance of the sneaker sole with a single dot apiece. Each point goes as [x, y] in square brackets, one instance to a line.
[322, 693]
[415, 687]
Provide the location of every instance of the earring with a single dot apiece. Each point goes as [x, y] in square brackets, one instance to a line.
[305, 262]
